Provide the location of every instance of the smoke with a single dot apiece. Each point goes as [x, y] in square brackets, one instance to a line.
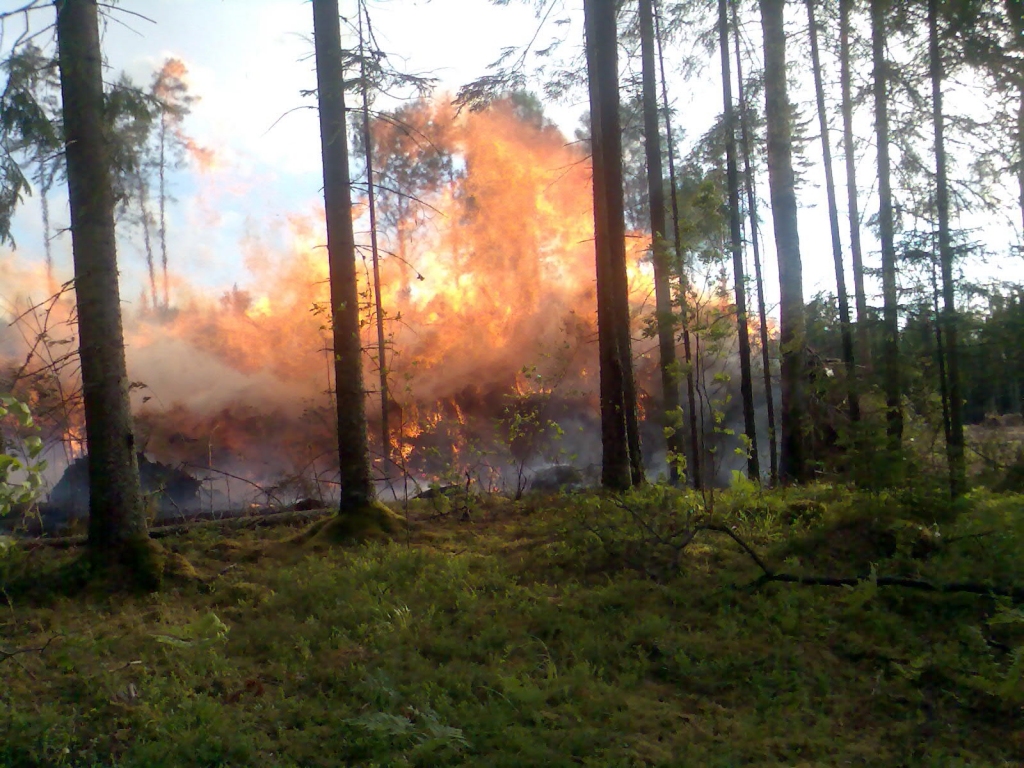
[490, 311]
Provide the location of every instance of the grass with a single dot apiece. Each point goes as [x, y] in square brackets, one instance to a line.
[559, 631]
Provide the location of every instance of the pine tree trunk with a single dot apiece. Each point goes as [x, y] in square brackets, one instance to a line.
[955, 438]
[117, 521]
[762, 312]
[782, 183]
[162, 168]
[846, 329]
[684, 322]
[940, 356]
[353, 452]
[859, 292]
[617, 441]
[385, 428]
[47, 172]
[668, 364]
[736, 246]
[1015, 15]
[886, 233]
[1020, 153]
[142, 190]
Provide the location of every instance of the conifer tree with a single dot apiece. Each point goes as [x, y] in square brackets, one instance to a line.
[357, 488]
[621, 462]
[782, 183]
[117, 521]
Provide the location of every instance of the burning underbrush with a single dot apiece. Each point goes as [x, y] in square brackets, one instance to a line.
[487, 285]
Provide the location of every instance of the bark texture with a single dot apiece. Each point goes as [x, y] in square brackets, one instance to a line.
[736, 245]
[955, 437]
[886, 233]
[382, 350]
[762, 312]
[684, 321]
[669, 366]
[856, 253]
[357, 489]
[846, 329]
[619, 429]
[782, 183]
[117, 521]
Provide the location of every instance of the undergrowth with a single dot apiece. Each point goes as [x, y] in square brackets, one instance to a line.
[553, 631]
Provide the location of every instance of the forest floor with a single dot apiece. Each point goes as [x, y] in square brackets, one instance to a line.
[553, 631]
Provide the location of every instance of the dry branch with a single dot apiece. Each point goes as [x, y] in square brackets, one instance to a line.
[164, 531]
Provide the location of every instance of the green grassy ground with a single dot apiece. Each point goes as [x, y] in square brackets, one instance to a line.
[549, 632]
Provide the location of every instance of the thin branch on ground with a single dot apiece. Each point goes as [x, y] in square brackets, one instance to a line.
[768, 575]
[5, 655]
[265, 491]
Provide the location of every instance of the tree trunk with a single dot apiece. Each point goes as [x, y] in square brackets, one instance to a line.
[886, 233]
[385, 429]
[792, 342]
[162, 169]
[762, 312]
[142, 189]
[353, 453]
[736, 245]
[940, 356]
[1020, 153]
[617, 394]
[1015, 15]
[955, 438]
[846, 330]
[47, 171]
[859, 292]
[669, 366]
[117, 520]
[691, 390]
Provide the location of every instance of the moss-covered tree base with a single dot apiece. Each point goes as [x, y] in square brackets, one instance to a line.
[136, 563]
[373, 521]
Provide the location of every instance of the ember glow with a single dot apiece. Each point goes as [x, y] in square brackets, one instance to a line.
[489, 296]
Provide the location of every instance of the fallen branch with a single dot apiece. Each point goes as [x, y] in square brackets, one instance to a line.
[5, 655]
[975, 588]
[265, 491]
[164, 531]
[1016, 594]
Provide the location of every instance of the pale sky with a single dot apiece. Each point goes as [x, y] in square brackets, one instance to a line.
[248, 60]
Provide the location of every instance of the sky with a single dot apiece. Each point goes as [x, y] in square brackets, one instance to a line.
[248, 61]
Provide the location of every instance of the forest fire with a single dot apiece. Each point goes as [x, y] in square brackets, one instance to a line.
[488, 295]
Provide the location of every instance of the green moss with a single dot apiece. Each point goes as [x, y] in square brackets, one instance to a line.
[144, 559]
[177, 567]
[373, 521]
[137, 563]
[517, 640]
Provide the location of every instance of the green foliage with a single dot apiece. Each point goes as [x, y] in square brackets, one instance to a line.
[524, 640]
[15, 490]
[28, 127]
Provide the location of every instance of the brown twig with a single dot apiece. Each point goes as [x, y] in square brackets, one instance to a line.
[5, 655]
[265, 491]
[165, 531]
[770, 575]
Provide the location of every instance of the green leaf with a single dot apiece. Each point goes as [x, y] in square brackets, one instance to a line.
[7, 463]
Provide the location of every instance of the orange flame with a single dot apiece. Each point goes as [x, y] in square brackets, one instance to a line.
[494, 274]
